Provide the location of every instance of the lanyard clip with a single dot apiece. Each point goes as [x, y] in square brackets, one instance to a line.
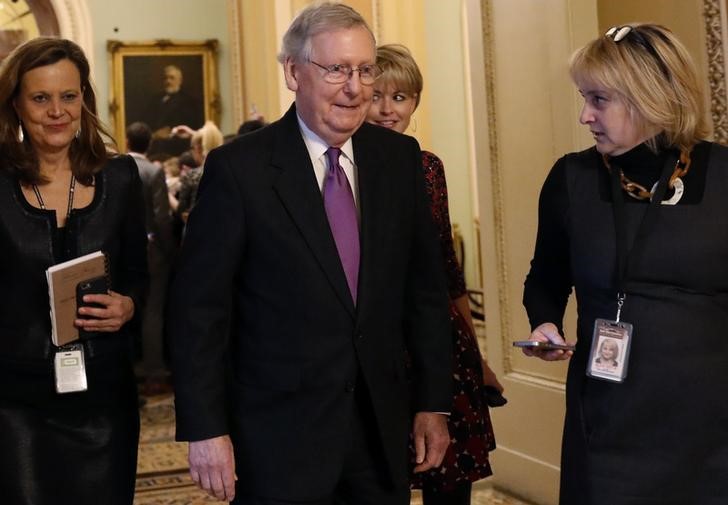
[620, 302]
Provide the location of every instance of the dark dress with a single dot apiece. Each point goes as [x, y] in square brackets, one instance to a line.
[75, 448]
[661, 437]
[471, 432]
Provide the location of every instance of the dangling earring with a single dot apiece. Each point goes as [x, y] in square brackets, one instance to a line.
[78, 133]
[21, 136]
[414, 125]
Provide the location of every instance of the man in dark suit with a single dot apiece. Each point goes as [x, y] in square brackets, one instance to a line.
[309, 265]
[160, 254]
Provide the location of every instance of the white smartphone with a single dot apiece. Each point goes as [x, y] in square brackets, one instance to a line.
[545, 346]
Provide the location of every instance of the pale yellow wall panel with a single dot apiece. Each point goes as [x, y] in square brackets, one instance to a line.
[536, 118]
[260, 48]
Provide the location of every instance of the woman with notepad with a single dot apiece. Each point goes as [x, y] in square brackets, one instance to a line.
[68, 413]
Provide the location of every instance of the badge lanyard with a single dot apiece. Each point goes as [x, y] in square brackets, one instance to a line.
[69, 364]
[611, 339]
[620, 224]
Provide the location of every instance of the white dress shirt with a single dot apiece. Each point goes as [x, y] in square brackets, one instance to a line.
[317, 152]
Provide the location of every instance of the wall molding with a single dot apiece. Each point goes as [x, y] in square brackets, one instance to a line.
[498, 203]
[74, 21]
[714, 12]
[237, 62]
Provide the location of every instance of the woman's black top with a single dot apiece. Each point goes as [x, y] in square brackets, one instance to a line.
[550, 267]
[29, 239]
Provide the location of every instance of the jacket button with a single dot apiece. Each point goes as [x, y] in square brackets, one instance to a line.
[350, 387]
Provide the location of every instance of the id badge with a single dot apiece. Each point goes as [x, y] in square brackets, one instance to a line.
[70, 369]
[609, 356]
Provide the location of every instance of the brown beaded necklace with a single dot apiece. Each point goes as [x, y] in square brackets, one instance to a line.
[638, 191]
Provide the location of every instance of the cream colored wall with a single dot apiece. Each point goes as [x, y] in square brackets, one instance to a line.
[445, 90]
[260, 45]
[144, 20]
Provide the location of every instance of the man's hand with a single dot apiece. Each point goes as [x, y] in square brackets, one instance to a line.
[431, 440]
[212, 467]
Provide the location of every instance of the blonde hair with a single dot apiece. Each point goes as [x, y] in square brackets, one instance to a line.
[655, 76]
[400, 68]
[208, 137]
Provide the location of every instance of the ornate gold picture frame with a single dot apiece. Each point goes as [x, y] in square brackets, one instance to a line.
[163, 83]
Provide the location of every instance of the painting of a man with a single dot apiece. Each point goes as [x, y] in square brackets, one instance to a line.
[173, 106]
[179, 101]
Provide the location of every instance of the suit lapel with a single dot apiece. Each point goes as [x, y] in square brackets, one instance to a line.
[298, 190]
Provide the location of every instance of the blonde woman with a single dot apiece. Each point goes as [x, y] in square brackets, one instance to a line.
[397, 94]
[635, 226]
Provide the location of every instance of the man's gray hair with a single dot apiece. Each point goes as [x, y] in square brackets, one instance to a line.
[315, 19]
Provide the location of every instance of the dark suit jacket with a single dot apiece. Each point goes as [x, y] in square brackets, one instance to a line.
[259, 264]
[157, 216]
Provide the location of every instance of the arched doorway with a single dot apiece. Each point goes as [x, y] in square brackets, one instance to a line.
[21, 20]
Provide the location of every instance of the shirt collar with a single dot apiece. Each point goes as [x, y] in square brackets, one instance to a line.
[317, 146]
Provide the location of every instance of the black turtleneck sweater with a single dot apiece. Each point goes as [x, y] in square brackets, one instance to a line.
[549, 282]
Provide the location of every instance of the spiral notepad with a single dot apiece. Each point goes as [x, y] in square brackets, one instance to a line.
[62, 281]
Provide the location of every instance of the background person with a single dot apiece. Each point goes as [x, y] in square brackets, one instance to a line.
[161, 249]
[319, 277]
[202, 141]
[397, 94]
[643, 104]
[63, 195]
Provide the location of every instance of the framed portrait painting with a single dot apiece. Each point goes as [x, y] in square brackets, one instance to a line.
[164, 84]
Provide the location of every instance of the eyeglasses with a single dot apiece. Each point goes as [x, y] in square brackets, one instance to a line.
[619, 33]
[339, 74]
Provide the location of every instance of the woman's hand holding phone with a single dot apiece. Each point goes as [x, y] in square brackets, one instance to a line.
[549, 346]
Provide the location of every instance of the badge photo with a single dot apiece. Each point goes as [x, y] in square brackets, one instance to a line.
[609, 354]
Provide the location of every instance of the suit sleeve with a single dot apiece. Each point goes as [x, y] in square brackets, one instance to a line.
[162, 218]
[200, 303]
[134, 274]
[427, 323]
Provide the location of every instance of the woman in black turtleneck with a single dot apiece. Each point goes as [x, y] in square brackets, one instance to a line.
[639, 221]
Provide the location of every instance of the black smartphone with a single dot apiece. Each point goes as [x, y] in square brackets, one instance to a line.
[493, 397]
[94, 286]
[545, 346]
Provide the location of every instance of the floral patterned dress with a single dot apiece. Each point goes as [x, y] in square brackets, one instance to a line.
[471, 432]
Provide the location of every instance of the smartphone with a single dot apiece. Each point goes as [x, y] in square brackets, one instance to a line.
[493, 397]
[94, 286]
[546, 346]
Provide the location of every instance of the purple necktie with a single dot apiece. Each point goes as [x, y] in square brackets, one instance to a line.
[340, 209]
